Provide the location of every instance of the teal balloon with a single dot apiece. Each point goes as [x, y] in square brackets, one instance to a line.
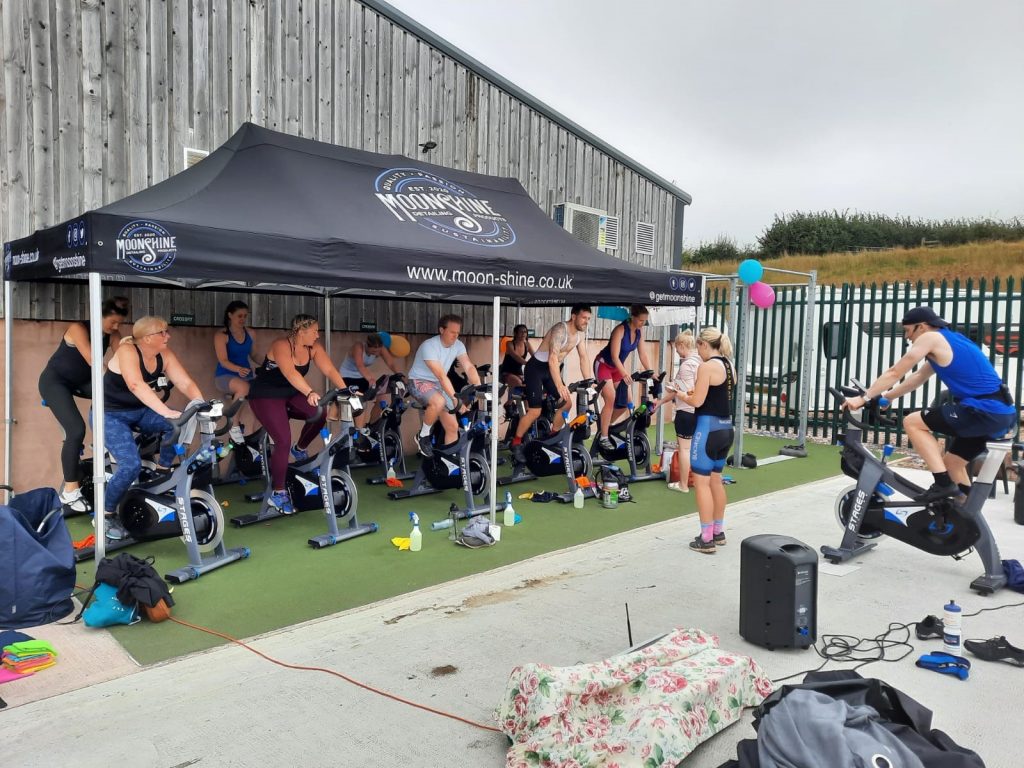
[750, 271]
[386, 338]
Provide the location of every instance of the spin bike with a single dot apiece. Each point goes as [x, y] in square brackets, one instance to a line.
[148, 445]
[240, 462]
[868, 510]
[383, 445]
[464, 463]
[565, 451]
[515, 409]
[629, 436]
[157, 509]
[322, 481]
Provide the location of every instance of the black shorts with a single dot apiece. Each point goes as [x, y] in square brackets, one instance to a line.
[538, 382]
[360, 384]
[969, 427]
[685, 423]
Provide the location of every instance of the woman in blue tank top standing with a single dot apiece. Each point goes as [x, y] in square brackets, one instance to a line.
[712, 436]
[233, 346]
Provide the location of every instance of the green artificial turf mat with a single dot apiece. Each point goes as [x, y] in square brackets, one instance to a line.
[286, 581]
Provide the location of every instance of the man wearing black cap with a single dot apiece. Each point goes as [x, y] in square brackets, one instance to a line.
[981, 408]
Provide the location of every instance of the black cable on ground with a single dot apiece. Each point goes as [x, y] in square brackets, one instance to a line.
[862, 651]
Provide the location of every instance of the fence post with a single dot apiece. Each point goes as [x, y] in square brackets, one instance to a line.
[806, 366]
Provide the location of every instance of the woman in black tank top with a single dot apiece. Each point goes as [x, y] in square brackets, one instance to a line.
[280, 392]
[712, 436]
[517, 352]
[131, 404]
[68, 374]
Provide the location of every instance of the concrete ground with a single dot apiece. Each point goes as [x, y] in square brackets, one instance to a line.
[228, 707]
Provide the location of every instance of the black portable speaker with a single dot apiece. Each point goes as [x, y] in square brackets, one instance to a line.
[778, 592]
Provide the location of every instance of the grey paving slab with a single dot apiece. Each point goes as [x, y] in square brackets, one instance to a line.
[227, 707]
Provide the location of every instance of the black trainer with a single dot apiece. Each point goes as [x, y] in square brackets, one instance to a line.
[936, 492]
[426, 445]
[704, 547]
[719, 539]
[519, 453]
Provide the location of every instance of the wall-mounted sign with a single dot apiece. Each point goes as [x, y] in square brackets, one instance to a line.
[181, 318]
[367, 325]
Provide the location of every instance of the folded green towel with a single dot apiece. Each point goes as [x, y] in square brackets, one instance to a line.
[31, 648]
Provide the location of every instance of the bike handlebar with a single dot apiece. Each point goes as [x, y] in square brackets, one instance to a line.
[228, 416]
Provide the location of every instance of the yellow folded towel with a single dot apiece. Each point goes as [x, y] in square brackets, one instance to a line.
[402, 542]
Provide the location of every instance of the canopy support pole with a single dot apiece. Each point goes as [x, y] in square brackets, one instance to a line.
[99, 447]
[740, 323]
[327, 334]
[664, 364]
[495, 415]
[8, 379]
[809, 359]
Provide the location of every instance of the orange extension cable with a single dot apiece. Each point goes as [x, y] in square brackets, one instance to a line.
[346, 678]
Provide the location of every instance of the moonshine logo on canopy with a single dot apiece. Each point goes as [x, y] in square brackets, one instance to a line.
[147, 247]
[415, 196]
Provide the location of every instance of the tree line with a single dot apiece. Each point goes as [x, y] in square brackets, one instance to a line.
[834, 231]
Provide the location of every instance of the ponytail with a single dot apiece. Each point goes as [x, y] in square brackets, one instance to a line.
[144, 326]
[718, 341]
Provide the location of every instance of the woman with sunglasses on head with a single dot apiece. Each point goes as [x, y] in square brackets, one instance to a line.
[280, 392]
[141, 365]
[712, 437]
[67, 375]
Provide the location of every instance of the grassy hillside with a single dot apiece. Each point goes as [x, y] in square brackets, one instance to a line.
[975, 260]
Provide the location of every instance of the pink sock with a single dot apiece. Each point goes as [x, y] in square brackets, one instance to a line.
[719, 526]
[706, 531]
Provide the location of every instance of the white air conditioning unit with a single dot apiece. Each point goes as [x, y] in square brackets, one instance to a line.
[589, 225]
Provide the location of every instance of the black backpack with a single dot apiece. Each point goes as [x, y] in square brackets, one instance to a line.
[135, 580]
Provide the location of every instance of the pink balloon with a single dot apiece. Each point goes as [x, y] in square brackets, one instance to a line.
[762, 294]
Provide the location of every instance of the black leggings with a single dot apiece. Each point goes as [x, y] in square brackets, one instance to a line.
[60, 398]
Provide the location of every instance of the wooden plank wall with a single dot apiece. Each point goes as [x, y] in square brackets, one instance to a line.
[100, 99]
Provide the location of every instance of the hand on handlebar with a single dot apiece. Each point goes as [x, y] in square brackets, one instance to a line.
[627, 379]
[854, 403]
[563, 392]
[172, 415]
[313, 398]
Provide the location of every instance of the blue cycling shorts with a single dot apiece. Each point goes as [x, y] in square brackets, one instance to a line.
[712, 439]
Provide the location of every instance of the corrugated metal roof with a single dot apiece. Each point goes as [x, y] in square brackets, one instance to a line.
[489, 74]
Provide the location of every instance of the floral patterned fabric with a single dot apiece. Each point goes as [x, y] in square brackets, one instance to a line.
[649, 708]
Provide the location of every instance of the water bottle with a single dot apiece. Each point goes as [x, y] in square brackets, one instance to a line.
[440, 525]
[391, 474]
[577, 498]
[952, 629]
[416, 537]
[510, 513]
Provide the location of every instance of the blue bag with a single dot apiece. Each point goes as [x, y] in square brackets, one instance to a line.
[37, 561]
[105, 609]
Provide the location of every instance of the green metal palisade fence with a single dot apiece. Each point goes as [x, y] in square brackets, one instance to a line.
[858, 335]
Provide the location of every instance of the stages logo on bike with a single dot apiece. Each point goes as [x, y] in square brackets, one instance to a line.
[145, 246]
[437, 204]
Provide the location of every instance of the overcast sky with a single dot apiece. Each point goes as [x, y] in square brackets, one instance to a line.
[757, 107]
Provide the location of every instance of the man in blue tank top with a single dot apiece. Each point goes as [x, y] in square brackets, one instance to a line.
[980, 409]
